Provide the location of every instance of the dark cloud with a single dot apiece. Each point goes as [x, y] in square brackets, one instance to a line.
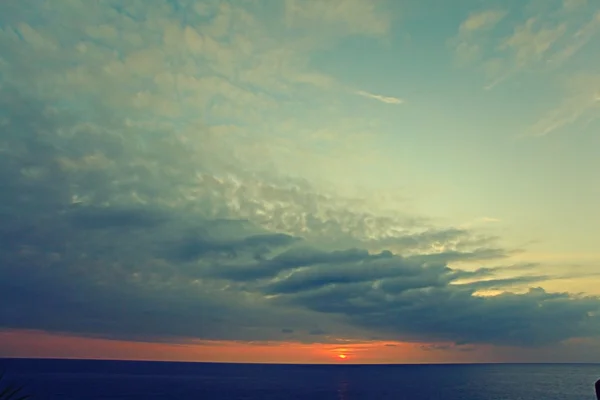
[452, 313]
[436, 347]
[126, 234]
[446, 347]
[108, 217]
[85, 210]
[259, 245]
[395, 271]
[489, 271]
[147, 302]
[290, 259]
[413, 297]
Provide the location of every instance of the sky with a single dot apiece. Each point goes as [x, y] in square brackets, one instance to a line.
[300, 181]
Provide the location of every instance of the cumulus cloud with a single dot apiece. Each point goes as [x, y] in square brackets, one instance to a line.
[131, 209]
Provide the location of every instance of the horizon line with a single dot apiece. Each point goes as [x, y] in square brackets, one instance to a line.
[296, 363]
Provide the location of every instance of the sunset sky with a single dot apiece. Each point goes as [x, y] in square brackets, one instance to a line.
[297, 180]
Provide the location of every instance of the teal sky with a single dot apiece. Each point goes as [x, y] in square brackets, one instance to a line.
[163, 147]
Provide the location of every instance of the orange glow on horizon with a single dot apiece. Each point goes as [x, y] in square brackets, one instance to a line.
[40, 344]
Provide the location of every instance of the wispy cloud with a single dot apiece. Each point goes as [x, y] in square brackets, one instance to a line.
[577, 41]
[480, 221]
[468, 43]
[543, 41]
[540, 40]
[490, 219]
[383, 99]
[481, 20]
[341, 16]
[581, 103]
[574, 4]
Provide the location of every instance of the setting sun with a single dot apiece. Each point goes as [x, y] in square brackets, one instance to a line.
[342, 356]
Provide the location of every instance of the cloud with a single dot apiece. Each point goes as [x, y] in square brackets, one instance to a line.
[481, 20]
[383, 99]
[574, 4]
[502, 283]
[89, 248]
[431, 310]
[543, 41]
[579, 105]
[196, 247]
[529, 44]
[289, 259]
[578, 40]
[383, 266]
[139, 202]
[468, 42]
[103, 218]
[446, 347]
[490, 219]
[343, 16]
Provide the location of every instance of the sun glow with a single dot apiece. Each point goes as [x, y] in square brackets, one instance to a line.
[342, 356]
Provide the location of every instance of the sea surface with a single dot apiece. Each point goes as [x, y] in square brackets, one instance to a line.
[125, 380]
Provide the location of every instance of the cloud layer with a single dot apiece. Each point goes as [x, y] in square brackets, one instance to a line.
[537, 40]
[138, 199]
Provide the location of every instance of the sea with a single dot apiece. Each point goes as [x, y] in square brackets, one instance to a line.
[132, 380]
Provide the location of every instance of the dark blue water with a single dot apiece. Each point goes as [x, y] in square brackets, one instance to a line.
[96, 380]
